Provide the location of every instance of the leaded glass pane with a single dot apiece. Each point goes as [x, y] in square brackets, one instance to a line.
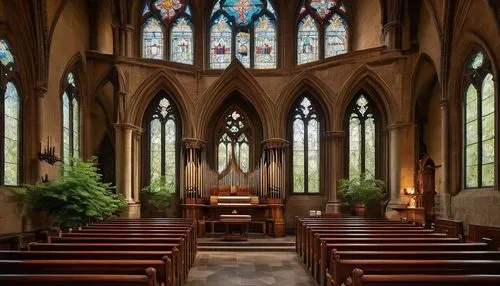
[471, 157]
[244, 157]
[313, 154]
[220, 43]
[242, 10]
[323, 7]
[155, 149]
[471, 132]
[307, 41]
[471, 177]
[11, 135]
[335, 37]
[152, 39]
[298, 156]
[76, 129]
[488, 175]
[354, 147]
[168, 8]
[477, 60]
[471, 104]
[181, 44]
[66, 128]
[243, 48]
[370, 147]
[170, 169]
[488, 126]
[222, 163]
[488, 151]
[6, 56]
[265, 43]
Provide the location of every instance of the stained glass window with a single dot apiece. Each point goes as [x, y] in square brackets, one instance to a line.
[306, 129]
[163, 137]
[181, 45]
[167, 30]
[362, 139]
[265, 43]
[479, 123]
[307, 41]
[70, 120]
[234, 144]
[335, 37]
[329, 16]
[10, 103]
[251, 26]
[152, 40]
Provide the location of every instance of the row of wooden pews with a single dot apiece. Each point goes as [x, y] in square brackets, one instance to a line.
[120, 252]
[361, 251]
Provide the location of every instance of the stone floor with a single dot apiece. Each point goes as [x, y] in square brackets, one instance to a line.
[248, 268]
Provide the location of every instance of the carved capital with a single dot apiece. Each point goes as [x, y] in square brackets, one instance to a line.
[401, 125]
[275, 143]
[41, 90]
[129, 126]
[444, 103]
[193, 143]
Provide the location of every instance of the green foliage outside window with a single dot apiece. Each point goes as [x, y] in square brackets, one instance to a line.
[161, 192]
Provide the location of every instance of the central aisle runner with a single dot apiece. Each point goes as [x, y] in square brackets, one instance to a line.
[248, 268]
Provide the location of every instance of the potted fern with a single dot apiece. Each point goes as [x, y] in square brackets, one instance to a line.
[77, 197]
[160, 193]
[360, 192]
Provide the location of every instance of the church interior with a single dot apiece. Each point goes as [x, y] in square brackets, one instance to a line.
[202, 142]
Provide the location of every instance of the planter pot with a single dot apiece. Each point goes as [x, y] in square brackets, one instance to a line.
[360, 210]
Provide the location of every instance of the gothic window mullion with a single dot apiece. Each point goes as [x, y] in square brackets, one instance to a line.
[163, 151]
[306, 156]
[363, 144]
[3, 90]
[71, 137]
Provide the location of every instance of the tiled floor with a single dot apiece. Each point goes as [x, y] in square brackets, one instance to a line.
[248, 268]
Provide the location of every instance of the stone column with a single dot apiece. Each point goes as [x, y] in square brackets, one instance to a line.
[394, 173]
[41, 91]
[193, 171]
[124, 169]
[334, 157]
[136, 165]
[129, 39]
[391, 33]
[443, 197]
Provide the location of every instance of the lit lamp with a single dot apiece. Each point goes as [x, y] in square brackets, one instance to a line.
[412, 203]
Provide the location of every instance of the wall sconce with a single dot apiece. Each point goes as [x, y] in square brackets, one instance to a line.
[48, 154]
[412, 203]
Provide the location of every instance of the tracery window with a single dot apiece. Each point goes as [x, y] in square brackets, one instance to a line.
[163, 139]
[247, 25]
[70, 119]
[322, 30]
[306, 128]
[167, 30]
[234, 141]
[10, 129]
[362, 138]
[479, 123]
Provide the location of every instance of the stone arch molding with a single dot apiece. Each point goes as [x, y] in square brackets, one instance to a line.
[236, 79]
[165, 81]
[303, 82]
[365, 79]
[420, 78]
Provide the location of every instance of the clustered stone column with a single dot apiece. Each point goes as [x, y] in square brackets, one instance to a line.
[444, 195]
[394, 173]
[127, 165]
[334, 158]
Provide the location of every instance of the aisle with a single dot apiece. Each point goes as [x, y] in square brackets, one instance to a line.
[224, 268]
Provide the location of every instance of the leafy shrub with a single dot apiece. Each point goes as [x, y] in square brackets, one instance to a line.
[77, 197]
[161, 192]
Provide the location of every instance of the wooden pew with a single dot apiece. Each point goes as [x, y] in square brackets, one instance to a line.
[361, 279]
[149, 279]
[116, 247]
[314, 246]
[173, 269]
[116, 267]
[326, 249]
[482, 233]
[342, 269]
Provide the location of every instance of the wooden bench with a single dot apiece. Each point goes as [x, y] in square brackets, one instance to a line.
[149, 279]
[96, 267]
[326, 249]
[482, 233]
[361, 279]
[342, 269]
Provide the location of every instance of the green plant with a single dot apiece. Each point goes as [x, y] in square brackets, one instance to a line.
[77, 197]
[161, 192]
[361, 190]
